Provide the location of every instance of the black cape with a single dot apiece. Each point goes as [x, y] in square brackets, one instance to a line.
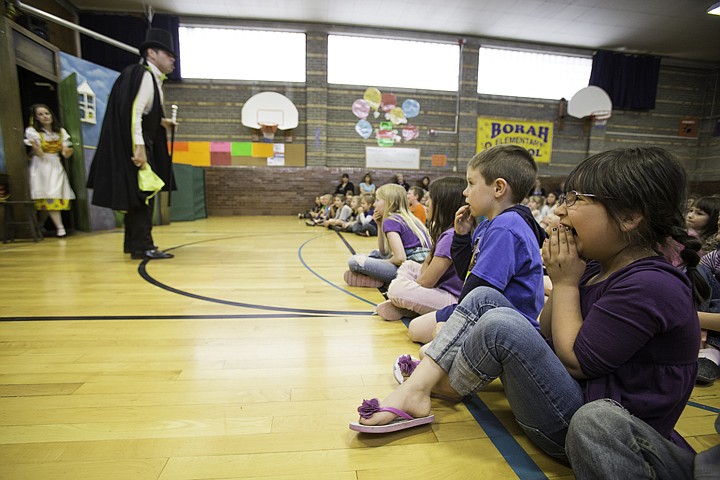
[113, 176]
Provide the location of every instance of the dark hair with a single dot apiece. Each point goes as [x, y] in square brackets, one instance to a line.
[367, 175]
[55, 126]
[345, 175]
[446, 195]
[711, 206]
[511, 162]
[649, 181]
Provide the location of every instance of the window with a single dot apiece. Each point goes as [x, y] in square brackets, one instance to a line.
[231, 53]
[392, 63]
[529, 74]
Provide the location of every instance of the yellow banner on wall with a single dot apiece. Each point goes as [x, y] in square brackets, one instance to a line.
[536, 137]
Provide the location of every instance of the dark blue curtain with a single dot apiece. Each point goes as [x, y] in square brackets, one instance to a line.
[630, 80]
[127, 29]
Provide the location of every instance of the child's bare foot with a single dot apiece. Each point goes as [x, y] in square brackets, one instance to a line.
[406, 398]
[445, 391]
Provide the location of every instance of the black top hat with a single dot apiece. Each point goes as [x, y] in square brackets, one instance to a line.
[158, 38]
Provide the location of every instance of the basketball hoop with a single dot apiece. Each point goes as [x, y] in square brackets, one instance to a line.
[268, 130]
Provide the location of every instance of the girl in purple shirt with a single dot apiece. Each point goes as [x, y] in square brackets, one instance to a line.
[621, 322]
[401, 236]
[420, 289]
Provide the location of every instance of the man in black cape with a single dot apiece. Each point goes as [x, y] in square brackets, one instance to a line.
[134, 134]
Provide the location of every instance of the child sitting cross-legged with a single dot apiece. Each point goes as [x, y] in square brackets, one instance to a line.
[365, 224]
[420, 289]
[401, 237]
[342, 211]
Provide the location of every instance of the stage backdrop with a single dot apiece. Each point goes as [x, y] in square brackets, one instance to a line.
[101, 80]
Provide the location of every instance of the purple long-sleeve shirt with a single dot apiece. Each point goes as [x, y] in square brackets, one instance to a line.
[639, 340]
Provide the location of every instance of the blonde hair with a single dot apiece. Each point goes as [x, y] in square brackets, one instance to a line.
[539, 199]
[357, 201]
[368, 197]
[396, 204]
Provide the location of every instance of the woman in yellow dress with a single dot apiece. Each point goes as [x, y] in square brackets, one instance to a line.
[49, 184]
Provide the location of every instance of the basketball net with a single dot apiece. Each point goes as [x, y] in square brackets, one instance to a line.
[268, 130]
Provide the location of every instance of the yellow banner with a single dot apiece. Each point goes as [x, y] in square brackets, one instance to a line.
[536, 137]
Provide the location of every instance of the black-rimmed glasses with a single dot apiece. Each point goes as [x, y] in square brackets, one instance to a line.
[571, 197]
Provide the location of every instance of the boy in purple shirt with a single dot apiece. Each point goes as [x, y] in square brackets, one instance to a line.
[504, 250]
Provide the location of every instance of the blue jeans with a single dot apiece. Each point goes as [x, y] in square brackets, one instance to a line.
[486, 338]
[606, 441]
[375, 266]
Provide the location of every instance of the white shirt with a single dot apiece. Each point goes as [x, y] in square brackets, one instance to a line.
[144, 101]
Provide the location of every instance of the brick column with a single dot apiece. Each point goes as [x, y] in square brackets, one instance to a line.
[316, 99]
[467, 134]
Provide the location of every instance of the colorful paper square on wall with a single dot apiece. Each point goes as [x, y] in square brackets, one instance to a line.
[439, 160]
[220, 147]
[179, 146]
[241, 149]
[220, 158]
[264, 150]
[192, 153]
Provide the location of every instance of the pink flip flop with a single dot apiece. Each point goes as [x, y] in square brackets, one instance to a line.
[404, 366]
[405, 420]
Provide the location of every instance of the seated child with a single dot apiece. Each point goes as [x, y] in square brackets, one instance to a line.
[354, 204]
[401, 237]
[420, 289]
[414, 195]
[324, 213]
[504, 250]
[315, 210]
[702, 221]
[342, 212]
[365, 224]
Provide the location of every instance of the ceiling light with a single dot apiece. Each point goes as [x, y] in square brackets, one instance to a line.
[714, 10]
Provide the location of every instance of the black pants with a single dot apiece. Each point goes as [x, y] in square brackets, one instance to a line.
[138, 228]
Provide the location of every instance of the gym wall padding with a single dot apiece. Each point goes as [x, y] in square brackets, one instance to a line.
[188, 201]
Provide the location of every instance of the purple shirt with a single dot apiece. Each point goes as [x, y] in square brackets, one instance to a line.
[639, 340]
[395, 223]
[507, 256]
[449, 281]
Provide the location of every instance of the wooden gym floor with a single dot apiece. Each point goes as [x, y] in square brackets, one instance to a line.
[245, 356]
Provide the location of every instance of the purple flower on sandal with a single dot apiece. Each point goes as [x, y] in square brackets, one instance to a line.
[407, 365]
[369, 408]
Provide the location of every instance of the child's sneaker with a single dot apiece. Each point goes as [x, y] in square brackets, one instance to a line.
[359, 280]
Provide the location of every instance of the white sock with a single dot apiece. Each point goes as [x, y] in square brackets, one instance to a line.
[711, 353]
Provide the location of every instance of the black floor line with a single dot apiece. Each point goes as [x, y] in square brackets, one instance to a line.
[153, 317]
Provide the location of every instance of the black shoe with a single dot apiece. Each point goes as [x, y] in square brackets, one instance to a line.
[708, 372]
[154, 254]
[127, 249]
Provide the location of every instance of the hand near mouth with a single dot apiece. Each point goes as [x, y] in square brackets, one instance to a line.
[561, 258]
